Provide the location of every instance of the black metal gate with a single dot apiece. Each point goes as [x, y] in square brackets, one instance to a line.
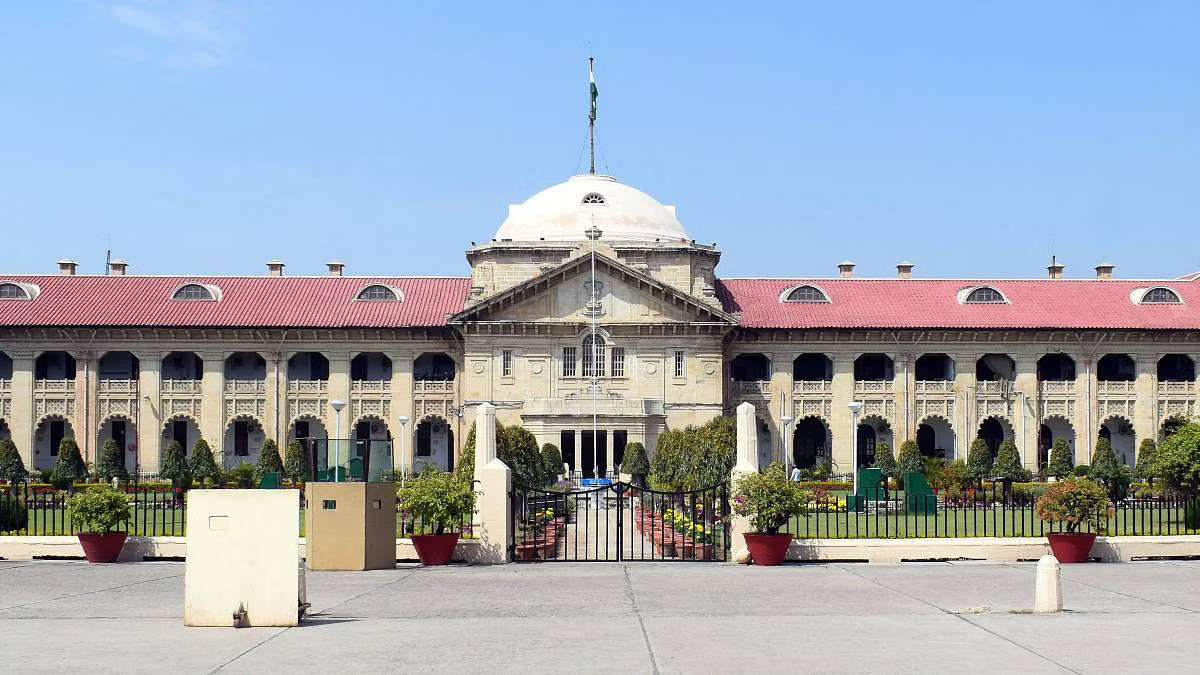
[612, 522]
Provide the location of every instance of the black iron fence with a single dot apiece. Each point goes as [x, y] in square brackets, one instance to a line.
[992, 510]
[26, 509]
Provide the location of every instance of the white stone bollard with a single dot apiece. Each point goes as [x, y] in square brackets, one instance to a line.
[493, 483]
[747, 463]
[1048, 588]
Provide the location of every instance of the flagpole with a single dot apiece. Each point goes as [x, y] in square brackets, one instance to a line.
[592, 117]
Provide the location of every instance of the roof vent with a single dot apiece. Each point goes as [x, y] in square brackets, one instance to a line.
[1055, 268]
[904, 270]
[66, 267]
[118, 267]
[1105, 270]
[274, 268]
[846, 268]
[336, 268]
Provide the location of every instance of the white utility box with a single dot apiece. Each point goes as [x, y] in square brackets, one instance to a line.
[243, 558]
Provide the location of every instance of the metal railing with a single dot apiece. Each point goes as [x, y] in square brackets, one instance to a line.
[987, 511]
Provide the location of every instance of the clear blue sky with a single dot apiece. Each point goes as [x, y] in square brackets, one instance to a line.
[208, 137]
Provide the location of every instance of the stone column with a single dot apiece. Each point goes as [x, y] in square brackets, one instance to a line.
[747, 464]
[1086, 397]
[150, 413]
[493, 482]
[276, 394]
[780, 400]
[87, 404]
[402, 406]
[212, 403]
[22, 423]
[1145, 408]
[1026, 423]
[965, 406]
[842, 452]
[903, 365]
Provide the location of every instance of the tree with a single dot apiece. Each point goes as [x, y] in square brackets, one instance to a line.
[695, 457]
[636, 464]
[1008, 463]
[269, 460]
[1145, 459]
[979, 460]
[112, 462]
[204, 466]
[1177, 460]
[517, 447]
[552, 464]
[909, 459]
[69, 466]
[295, 465]
[174, 466]
[1060, 462]
[884, 461]
[466, 464]
[12, 467]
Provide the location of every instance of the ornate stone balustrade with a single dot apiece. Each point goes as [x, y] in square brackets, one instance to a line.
[1056, 387]
[118, 388]
[1115, 388]
[1172, 389]
[370, 386]
[246, 387]
[756, 388]
[180, 388]
[308, 386]
[935, 388]
[582, 406]
[434, 388]
[874, 386]
[53, 386]
[812, 388]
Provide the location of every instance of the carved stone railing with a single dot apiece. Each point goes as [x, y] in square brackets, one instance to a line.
[370, 386]
[935, 387]
[118, 387]
[583, 406]
[993, 387]
[245, 386]
[1115, 388]
[180, 387]
[5, 385]
[437, 388]
[752, 388]
[308, 386]
[812, 387]
[874, 386]
[46, 386]
[1176, 388]
[1056, 387]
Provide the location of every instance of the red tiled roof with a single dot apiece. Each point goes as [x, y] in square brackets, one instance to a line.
[262, 302]
[933, 303]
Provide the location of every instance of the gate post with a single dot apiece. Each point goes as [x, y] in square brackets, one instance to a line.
[493, 484]
[747, 463]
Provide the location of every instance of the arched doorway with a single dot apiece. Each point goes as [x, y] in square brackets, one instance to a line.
[244, 438]
[48, 436]
[183, 430]
[5, 433]
[372, 446]
[434, 446]
[310, 432]
[1056, 427]
[872, 431]
[935, 437]
[1170, 426]
[1045, 444]
[995, 431]
[809, 442]
[123, 432]
[1118, 431]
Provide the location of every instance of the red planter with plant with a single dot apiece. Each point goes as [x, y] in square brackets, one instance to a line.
[435, 549]
[97, 513]
[438, 502]
[769, 500]
[1075, 503]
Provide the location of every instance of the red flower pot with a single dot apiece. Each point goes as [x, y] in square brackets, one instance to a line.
[435, 549]
[102, 548]
[768, 549]
[1071, 547]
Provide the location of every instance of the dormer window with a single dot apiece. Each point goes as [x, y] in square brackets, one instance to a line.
[593, 198]
[11, 291]
[984, 295]
[809, 294]
[1160, 296]
[194, 292]
[378, 293]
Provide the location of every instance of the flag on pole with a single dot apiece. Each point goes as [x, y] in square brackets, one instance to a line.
[595, 92]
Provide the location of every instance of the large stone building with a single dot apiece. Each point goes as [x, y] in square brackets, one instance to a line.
[630, 323]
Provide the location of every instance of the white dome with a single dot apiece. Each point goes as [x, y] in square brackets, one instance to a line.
[563, 212]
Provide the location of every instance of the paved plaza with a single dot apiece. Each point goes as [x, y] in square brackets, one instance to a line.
[627, 618]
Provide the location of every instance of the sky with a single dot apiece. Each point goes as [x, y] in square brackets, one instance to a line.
[975, 139]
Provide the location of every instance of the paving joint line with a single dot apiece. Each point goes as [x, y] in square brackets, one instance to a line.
[962, 618]
[99, 590]
[1122, 594]
[642, 624]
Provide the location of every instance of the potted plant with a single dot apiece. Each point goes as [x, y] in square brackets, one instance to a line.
[438, 502]
[1076, 503]
[769, 500]
[96, 514]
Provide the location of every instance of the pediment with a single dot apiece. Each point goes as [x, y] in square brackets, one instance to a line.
[563, 295]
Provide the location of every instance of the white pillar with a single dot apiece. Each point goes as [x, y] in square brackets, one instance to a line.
[747, 463]
[1048, 586]
[493, 484]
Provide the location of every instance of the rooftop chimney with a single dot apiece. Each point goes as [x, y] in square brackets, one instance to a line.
[336, 268]
[1055, 268]
[846, 268]
[274, 268]
[66, 267]
[1104, 270]
[904, 270]
[118, 267]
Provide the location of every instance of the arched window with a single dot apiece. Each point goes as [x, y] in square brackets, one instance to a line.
[985, 295]
[593, 356]
[193, 292]
[11, 291]
[377, 292]
[593, 198]
[806, 294]
[1160, 296]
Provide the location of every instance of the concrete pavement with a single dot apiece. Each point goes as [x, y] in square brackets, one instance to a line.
[634, 618]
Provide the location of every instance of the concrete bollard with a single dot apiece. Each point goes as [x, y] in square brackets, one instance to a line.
[1048, 588]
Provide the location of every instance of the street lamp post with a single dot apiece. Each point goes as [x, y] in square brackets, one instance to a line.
[403, 420]
[855, 408]
[787, 425]
[337, 435]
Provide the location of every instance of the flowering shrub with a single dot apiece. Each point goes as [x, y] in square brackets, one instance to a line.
[686, 526]
[1075, 502]
[769, 499]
